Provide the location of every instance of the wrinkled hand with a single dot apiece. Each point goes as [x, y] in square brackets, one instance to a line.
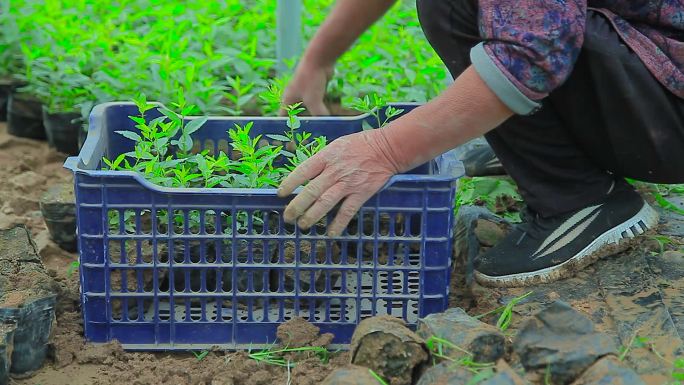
[308, 86]
[351, 168]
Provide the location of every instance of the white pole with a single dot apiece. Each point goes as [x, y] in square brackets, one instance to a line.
[289, 32]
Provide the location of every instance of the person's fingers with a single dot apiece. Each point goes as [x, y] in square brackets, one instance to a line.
[309, 194]
[317, 107]
[347, 210]
[304, 172]
[321, 206]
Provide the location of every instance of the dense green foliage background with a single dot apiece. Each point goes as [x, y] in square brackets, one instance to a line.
[73, 54]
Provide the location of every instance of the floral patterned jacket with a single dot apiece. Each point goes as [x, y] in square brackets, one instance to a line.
[530, 46]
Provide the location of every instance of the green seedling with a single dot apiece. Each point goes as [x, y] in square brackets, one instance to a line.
[506, 316]
[373, 105]
[299, 146]
[377, 377]
[238, 95]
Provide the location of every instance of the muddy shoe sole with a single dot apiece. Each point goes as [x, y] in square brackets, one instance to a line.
[613, 241]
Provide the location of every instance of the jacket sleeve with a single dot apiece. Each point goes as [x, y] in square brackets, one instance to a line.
[529, 48]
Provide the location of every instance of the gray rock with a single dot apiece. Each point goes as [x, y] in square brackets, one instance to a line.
[609, 371]
[446, 373]
[505, 375]
[484, 341]
[563, 340]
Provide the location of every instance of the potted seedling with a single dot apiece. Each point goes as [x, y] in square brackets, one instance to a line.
[9, 56]
[163, 154]
[24, 109]
[62, 88]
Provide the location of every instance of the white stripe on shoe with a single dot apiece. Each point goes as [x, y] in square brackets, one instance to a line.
[566, 226]
[569, 237]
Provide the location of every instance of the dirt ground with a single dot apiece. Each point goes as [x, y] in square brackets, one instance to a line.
[633, 294]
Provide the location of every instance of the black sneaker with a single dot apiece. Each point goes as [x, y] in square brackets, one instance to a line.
[481, 161]
[542, 250]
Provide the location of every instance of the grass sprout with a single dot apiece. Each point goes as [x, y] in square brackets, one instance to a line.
[201, 355]
[380, 380]
[440, 347]
[506, 311]
[275, 357]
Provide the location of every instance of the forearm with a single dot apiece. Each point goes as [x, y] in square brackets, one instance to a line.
[466, 110]
[347, 21]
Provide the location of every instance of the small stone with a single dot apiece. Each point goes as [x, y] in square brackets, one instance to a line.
[387, 346]
[563, 340]
[484, 341]
[27, 180]
[609, 371]
[445, 373]
[350, 375]
[488, 232]
[673, 255]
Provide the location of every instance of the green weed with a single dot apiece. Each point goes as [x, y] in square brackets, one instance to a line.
[201, 355]
[677, 365]
[273, 356]
[506, 316]
[663, 241]
[380, 380]
[480, 376]
[73, 267]
[547, 375]
[440, 348]
[678, 370]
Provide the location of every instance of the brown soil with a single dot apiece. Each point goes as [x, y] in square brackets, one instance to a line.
[74, 362]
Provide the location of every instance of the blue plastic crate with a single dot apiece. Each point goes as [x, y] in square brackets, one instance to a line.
[155, 283]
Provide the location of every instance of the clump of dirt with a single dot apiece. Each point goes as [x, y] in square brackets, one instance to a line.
[299, 332]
